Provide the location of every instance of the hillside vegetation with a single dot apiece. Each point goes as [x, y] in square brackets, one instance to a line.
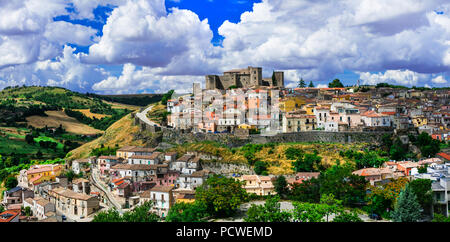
[120, 134]
[272, 154]
[57, 118]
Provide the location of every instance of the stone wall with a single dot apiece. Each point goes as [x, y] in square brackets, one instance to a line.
[228, 169]
[180, 137]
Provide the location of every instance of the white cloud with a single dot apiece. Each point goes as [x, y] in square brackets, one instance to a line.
[133, 80]
[29, 34]
[401, 77]
[439, 80]
[65, 71]
[79, 35]
[142, 33]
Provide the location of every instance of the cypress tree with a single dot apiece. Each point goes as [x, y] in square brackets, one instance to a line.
[407, 208]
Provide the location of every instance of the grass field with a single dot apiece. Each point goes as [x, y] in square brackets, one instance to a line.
[120, 133]
[156, 112]
[122, 106]
[45, 138]
[56, 118]
[89, 114]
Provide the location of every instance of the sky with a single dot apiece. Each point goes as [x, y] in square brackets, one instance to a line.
[152, 46]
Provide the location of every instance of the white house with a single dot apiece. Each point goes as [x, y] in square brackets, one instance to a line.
[162, 197]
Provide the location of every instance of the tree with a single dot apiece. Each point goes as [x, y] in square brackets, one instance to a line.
[311, 84]
[11, 182]
[281, 186]
[397, 151]
[274, 79]
[309, 212]
[39, 154]
[439, 218]
[422, 169]
[407, 208]
[308, 163]
[167, 96]
[108, 216]
[346, 217]
[260, 168]
[27, 211]
[29, 139]
[70, 174]
[307, 191]
[187, 212]
[139, 214]
[301, 83]
[343, 184]
[221, 195]
[422, 189]
[381, 199]
[269, 212]
[427, 145]
[335, 83]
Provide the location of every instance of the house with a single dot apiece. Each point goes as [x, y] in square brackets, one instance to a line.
[300, 177]
[181, 163]
[170, 156]
[441, 194]
[9, 216]
[105, 163]
[184, 195]
[135, 172]
[375, 175]
[259, 185]
[40, 207]
[373, 119]
[38, 174]
[297, 122]
[16, 195]
[73, 204]
[163, 199]
[127, 151]
[81, 185]
[78, 165]
[191, 181]
[152, 159]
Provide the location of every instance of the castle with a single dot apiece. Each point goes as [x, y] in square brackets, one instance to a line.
[250, 77]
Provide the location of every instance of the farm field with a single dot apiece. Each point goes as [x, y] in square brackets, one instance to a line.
[56, 118]
[89, 114]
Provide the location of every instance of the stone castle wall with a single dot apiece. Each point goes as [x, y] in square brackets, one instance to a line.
[231, 140]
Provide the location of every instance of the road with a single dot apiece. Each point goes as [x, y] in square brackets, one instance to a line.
[100, 185]
[143, 117]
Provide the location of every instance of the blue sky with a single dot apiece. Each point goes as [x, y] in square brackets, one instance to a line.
[155, 45]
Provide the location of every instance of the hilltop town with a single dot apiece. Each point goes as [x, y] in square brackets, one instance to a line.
[245, 139]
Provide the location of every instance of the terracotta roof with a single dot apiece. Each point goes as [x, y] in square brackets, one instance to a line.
[7, 216]
[444, 155]
[146, 157]
[134, 167]
[71, 194]
[42, 202]
[79, 180]
[201, 173]
[185, 158]
[145, 194]
[108, 157]
[162, 188]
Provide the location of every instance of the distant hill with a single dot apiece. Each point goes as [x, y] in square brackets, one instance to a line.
[22, 106]
[141, 100]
